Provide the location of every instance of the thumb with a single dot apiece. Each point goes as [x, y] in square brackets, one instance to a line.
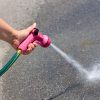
[30, 28]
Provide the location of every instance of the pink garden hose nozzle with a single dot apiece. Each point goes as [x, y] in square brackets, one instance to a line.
[34, 36]
[37, 37]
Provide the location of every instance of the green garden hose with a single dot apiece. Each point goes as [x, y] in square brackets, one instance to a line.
[10, 62]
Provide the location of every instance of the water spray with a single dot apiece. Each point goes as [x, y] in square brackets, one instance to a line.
[34, 36]
[92, 75]
[44, 41]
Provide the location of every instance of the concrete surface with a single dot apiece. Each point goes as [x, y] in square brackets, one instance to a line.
[74, 26]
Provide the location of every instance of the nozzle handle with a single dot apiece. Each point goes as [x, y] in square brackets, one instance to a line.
[29, 39]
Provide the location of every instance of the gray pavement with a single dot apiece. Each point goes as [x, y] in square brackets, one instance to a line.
[74, 26]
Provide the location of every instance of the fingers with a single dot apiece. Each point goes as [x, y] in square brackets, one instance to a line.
[15, 44]
[31, 47]
[29, 29]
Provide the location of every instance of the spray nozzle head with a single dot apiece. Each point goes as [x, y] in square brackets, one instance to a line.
[46, 41]
[43, 40]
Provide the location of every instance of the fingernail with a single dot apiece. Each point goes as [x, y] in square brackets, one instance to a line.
[34, 24]
[35, 44]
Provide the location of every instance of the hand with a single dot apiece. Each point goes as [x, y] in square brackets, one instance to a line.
[19, 36]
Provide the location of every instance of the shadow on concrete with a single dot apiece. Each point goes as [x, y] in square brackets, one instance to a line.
[67, 89]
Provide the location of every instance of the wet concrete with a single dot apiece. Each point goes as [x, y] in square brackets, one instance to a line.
[73, 26]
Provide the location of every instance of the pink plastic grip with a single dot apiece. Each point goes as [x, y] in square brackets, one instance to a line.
[23, 46]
